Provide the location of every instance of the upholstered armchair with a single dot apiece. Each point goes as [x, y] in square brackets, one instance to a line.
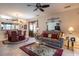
[14, 36]
[22, 36]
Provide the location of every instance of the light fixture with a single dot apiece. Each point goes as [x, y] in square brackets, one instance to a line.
[71, 30]
[5, 17]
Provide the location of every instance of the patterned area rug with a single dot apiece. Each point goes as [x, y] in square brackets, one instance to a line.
[32, 50]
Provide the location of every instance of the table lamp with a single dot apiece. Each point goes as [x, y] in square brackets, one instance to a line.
[71, 30]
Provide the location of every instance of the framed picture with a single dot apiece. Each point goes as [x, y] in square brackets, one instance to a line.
[25, 26]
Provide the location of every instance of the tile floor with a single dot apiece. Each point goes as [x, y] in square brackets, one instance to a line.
[13, 49]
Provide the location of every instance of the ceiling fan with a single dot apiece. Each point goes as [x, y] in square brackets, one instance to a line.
[40, 7]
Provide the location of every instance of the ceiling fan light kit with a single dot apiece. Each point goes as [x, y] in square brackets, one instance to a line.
[40, 7]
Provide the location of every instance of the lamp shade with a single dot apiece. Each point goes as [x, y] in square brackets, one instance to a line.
[71, 29]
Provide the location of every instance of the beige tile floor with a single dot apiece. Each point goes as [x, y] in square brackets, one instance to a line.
[13, 49]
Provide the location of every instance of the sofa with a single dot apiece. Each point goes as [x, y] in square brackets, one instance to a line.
[54, 43]
[55, 40]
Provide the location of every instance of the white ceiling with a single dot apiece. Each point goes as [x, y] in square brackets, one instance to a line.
[21, 10]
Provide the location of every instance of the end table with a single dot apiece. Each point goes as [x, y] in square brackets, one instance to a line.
[72, 40]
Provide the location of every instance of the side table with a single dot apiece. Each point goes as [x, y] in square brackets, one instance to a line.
[70, 40]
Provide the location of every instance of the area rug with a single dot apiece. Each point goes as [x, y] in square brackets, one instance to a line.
[24, 48]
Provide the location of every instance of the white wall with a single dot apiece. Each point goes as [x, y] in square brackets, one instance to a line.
[68, 19]
[42, 23]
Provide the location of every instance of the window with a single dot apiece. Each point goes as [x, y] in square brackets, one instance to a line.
[9, 26]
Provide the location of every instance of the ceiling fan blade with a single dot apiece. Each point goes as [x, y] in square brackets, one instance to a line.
[41, 9]
[45, 6]
[35, 9]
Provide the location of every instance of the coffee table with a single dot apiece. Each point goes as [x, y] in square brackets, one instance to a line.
[36, 49]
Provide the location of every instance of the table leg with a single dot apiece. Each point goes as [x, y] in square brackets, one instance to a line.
[68, 44]
[72, 46]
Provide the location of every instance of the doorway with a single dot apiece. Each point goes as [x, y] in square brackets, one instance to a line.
[33, 28]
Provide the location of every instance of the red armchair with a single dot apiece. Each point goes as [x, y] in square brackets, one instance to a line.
[14, 36]
[22, 36]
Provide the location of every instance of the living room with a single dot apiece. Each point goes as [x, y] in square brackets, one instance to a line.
[35, 27]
